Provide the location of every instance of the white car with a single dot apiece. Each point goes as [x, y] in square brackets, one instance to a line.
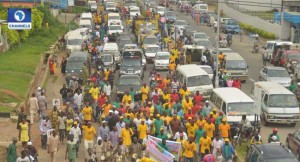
[133, 11]
[115, 29]
[151, 51]
[180, 24]
[162, 60]
[115, 22]
[208, 69]
[110, 6]
[160, 10]
[275, 74]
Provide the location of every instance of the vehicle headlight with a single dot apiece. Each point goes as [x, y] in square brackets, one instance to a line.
[80, 71]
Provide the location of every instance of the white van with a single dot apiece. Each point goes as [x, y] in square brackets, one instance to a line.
[85, 24]
[162, 61]
[111, 6]
[200, 7]
[276, 103]
[233, 103]
[113, 49]
[86, 16]
[75, 38]
[195, 79]
[273, 45]
[236, 66]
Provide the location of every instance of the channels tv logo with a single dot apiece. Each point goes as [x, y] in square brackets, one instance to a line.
[19, 19]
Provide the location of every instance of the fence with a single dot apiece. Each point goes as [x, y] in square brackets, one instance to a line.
[264, 15]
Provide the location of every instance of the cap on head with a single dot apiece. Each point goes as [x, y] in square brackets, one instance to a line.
[224, 120]
[226, 139]
[39, 88]
[157, 115]
[29, 143]
[275, 130]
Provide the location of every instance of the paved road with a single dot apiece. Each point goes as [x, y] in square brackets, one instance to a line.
[259, 5]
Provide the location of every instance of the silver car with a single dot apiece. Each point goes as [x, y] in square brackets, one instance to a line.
[180, 24]
[197, 36]
[275, 74]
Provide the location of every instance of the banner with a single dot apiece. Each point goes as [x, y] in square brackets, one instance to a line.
[157, 152]
[174, 147]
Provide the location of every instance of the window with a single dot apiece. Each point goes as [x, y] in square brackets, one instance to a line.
[224, 108]
[213, 97]
[218, 103]
[266, 99]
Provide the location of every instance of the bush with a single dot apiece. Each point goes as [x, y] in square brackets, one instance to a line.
[261, 33]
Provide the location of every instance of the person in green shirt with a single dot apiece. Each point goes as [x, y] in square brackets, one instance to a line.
[167, 110]
[199, 133]
[157, 124]
[116, 103]
[161, 134]
[71, 149]
[169, 26]
[293, 87]
[127, 119]
[163, 144]
[132, 93]
[12, 151]
[158, 107]
[219, 120]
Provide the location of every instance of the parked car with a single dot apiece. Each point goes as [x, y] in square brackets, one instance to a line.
[208, 69]
[197, 36]
[162, 61]
[230, 26]
[170, 16]
[270, 152]
[275, 74]
[129, 81]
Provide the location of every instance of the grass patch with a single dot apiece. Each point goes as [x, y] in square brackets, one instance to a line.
[5, 109]
[17, 66]
[54, 79]
[241, 151]
[4, 98]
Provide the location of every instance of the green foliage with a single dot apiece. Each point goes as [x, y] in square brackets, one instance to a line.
[37, 19]
[12, 35]
[261, 33]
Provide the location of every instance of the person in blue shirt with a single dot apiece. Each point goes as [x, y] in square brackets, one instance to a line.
[227, 150]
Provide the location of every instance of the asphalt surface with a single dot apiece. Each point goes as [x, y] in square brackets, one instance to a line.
[242, 45]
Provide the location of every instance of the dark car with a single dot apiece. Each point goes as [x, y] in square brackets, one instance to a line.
[230, 26]
[122, 40]
[293, 142]
[170, 16]
[126, 82]
[270, 152]
[132, 66]
[75, 62]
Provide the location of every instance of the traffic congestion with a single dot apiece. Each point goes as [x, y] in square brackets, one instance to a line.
[146, 81]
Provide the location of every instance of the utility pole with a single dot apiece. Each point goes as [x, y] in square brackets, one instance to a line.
[281, 21]
[218, 45]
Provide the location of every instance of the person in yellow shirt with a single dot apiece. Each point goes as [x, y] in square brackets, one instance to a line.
[166, 96]
[175, 52]
[142, 130]
[106, 74]
[205, 143]
[126, 98]
[172, 57]
[191, 127]
[201, 120]
[126, 134]
[187, 104]
[145, 92]
[94, 91]
[209, 128]
[87, 112]
[106, 107]
[184, 92]
[89, 135]
[215, 115]
[172, 66]
[224, 129]
[167, 80]
[189, 148]
[221, 58]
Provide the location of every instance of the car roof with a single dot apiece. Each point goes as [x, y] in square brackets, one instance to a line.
[78, 54]
[274, 151]
[272, 87]
[229, 94]
[275, 67]
[180, 20]
[191, 70]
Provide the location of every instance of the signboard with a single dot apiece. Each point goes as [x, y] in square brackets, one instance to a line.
[174, 147]
[71, 3]
[157, 152]
[19, 19]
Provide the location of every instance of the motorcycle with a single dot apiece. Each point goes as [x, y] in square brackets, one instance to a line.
[255, 49]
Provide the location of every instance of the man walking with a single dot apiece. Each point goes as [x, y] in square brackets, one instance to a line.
[52, 143]
[33, 107]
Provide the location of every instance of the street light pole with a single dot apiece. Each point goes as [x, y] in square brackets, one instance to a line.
[281, 21]
[218, 45]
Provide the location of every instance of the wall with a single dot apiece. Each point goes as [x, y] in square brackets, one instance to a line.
[251, 20]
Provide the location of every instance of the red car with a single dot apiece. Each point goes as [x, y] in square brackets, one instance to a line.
[293, 143]
[293, 55]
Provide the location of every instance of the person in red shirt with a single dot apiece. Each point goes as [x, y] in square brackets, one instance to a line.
[174, 96]
[212, 119]
[198, 97]
[122, 109]
[196, 107]
[236, 83]
[189, 114]
[158, 77]
[101, 100]
[155, 95]
[160, 84]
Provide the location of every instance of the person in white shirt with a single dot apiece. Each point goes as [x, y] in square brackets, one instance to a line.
[217, 143]
[149, 124]
[180, 132]
[78, 98]
[105, 39]
[137, 120]
[120, 125]
[97, 33]
[107, 89]
[203, 60]
[33, 107]
[24, 157]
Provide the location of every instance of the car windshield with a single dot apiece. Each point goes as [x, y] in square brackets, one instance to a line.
[200, 36]
[203, 7]
[115, 28]
[131, 62]
[74, 41]
[110, 5]
[240, 108]
[160, 9]
[162, 57]
[294, 56]
[152, 49]
[282, 100]
[199, 80]
[170, 14]
[208, 70]
[151, 41]
[232, 22]
[206, 44]
[114, 17]
[181, 23]
[74, 65]
[278, 73]
[130, 81]
[107, 58]
[236, 65]
[134, 10]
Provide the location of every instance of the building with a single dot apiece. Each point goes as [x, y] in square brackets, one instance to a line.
[23, 3]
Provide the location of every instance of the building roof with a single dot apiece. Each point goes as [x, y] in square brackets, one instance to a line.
[29, 1]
